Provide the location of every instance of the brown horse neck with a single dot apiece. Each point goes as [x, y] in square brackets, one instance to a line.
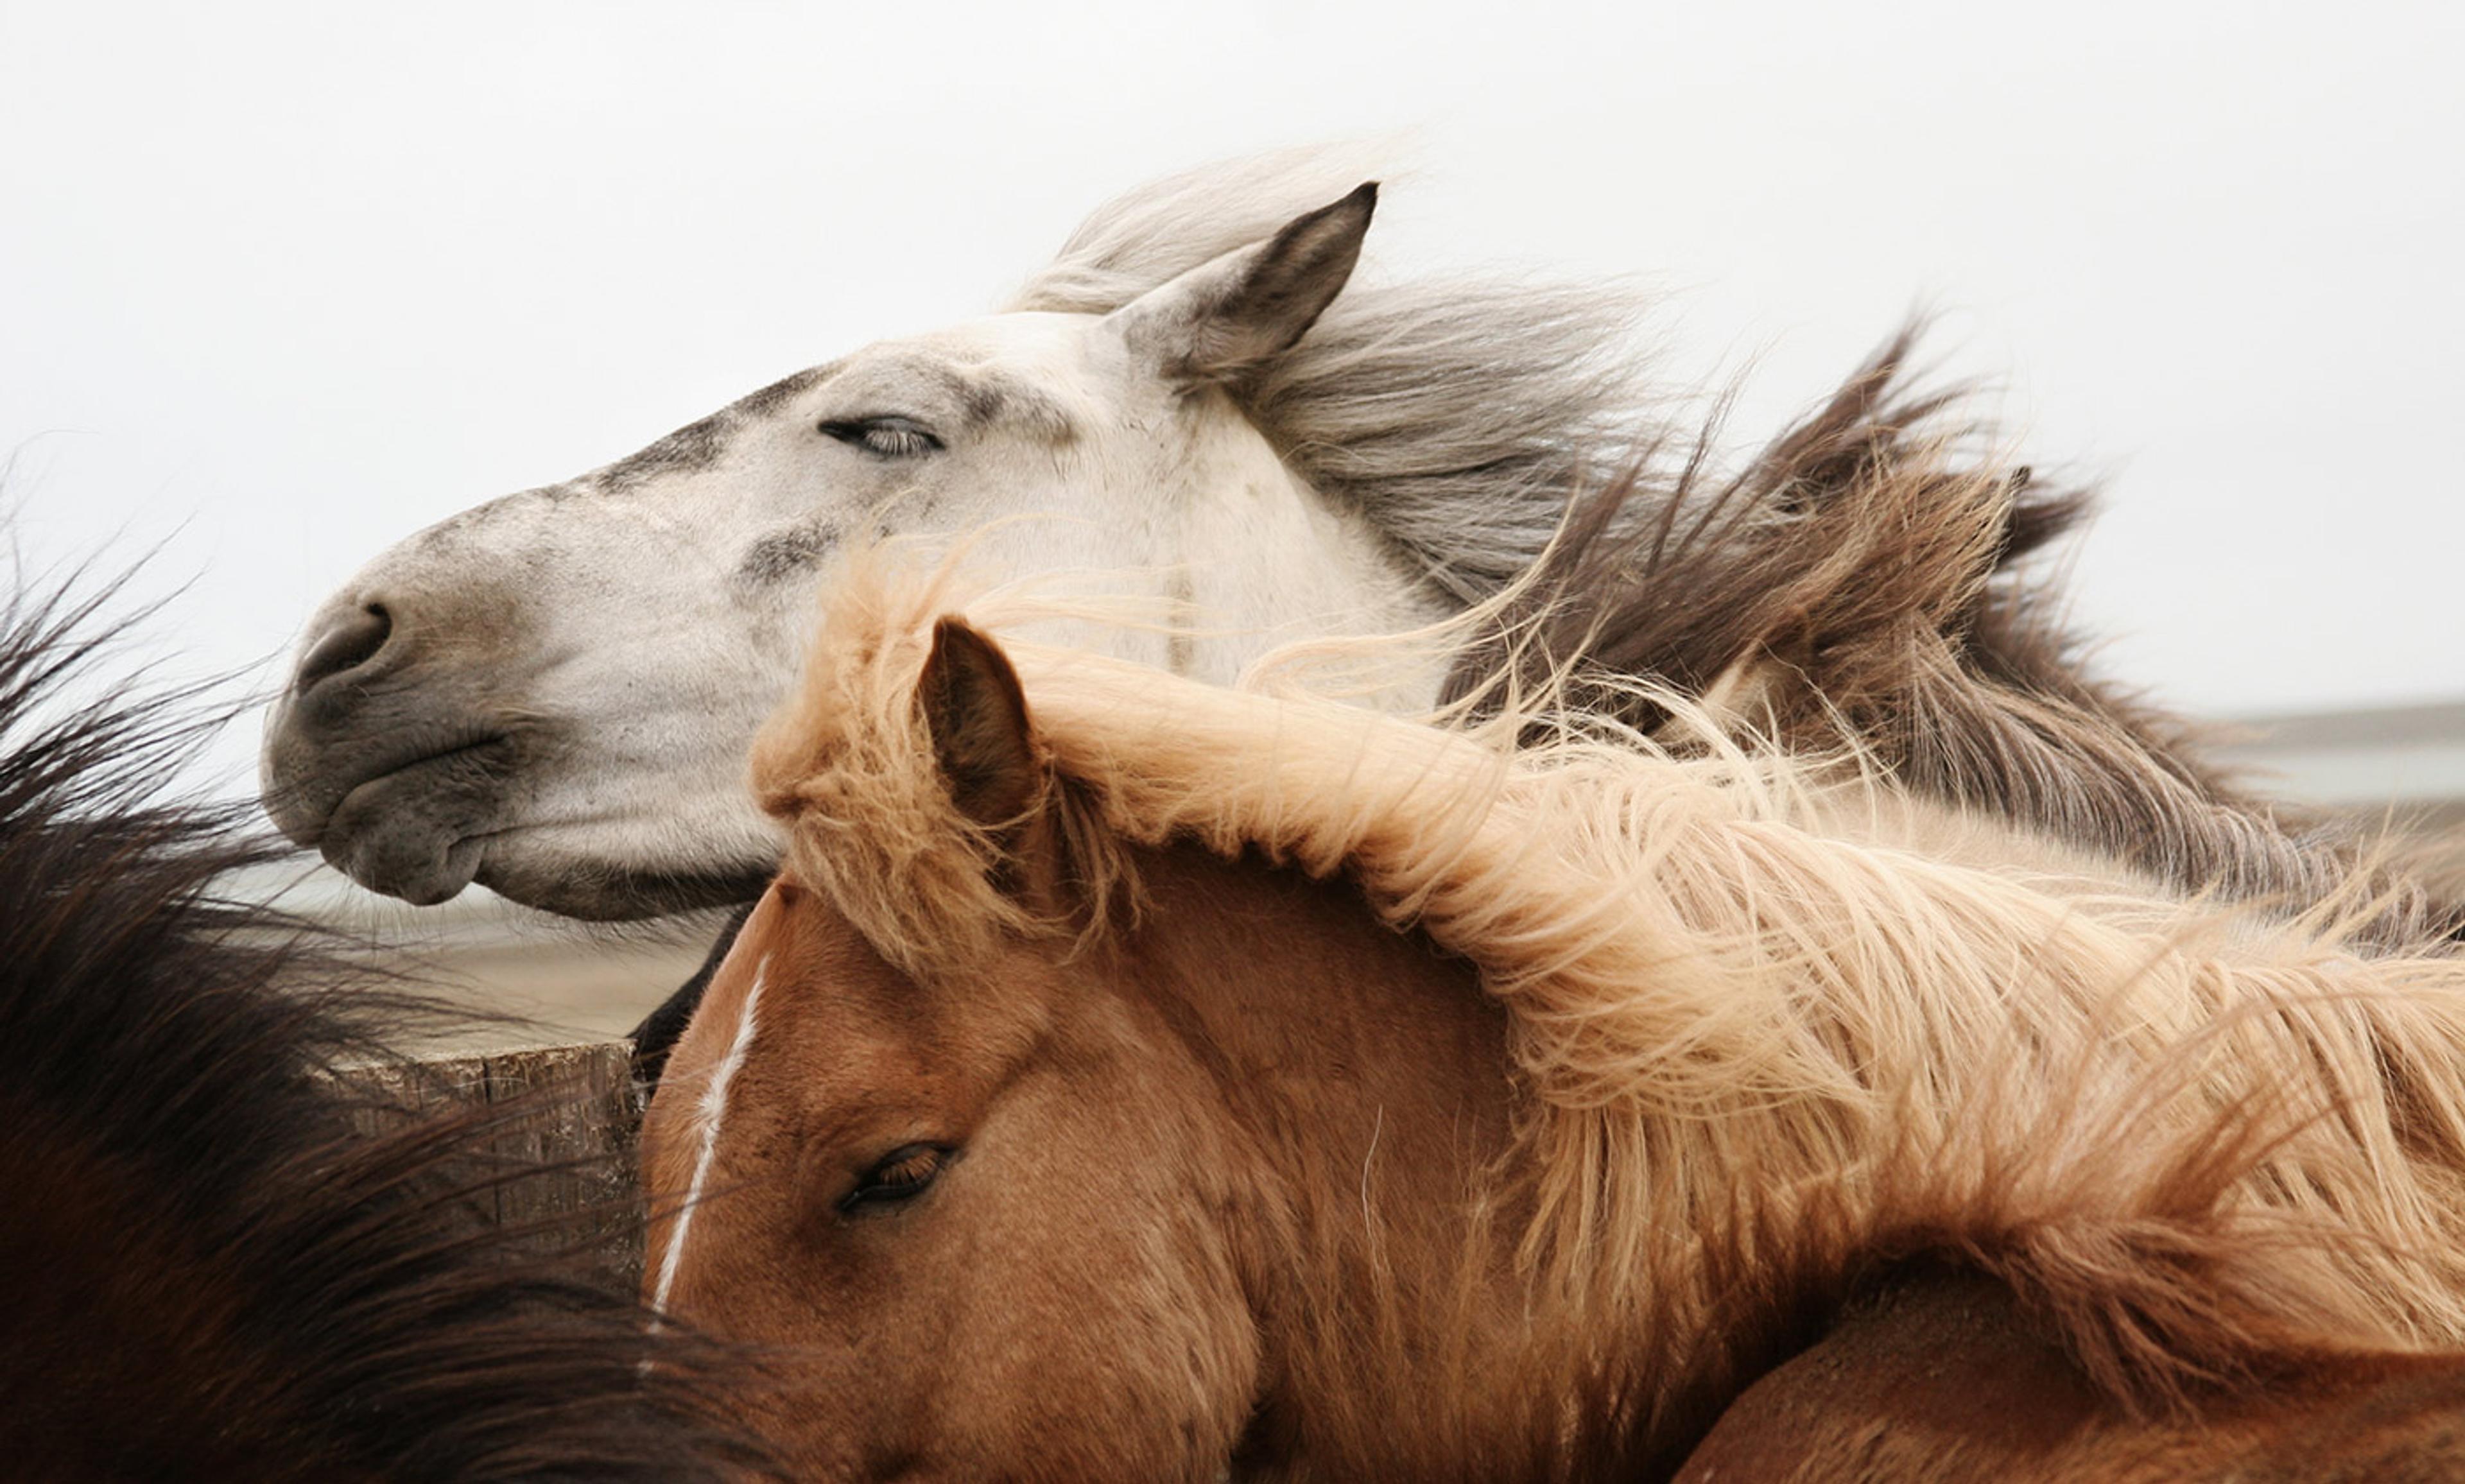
[1365, 1077]
[1943, 1376]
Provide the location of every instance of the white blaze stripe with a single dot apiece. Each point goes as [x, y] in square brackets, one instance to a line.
[712, 1108]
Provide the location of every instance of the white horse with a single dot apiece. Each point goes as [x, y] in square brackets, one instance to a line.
[553, 693]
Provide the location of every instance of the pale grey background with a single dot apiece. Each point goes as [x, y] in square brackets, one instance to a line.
[281, 283]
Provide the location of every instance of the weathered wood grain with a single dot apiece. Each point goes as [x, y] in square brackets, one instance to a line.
[560, 1163]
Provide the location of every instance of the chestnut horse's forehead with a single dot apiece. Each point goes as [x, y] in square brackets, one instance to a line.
[808, 1045]
[806, 1025]
[692, 1088]
[723, 1000]
[781, 956]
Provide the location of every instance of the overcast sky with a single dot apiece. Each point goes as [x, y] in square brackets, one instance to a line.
[281, 284]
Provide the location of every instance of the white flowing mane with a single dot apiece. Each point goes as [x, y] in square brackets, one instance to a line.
[1457, 415]
[1736, 1027]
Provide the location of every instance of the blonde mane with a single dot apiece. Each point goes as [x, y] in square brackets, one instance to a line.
[1754, 1038]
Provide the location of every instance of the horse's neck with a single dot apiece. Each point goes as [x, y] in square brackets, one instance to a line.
[1354, 1031]
[1366, 1078]
[1260, 542]
[1256, 557]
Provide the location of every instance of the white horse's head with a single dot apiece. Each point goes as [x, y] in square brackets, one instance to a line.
[553, 693]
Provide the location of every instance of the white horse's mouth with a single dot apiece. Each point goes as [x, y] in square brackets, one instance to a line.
[416, 828]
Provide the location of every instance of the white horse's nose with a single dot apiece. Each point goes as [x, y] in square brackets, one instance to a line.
[382, 753]
[348, 643]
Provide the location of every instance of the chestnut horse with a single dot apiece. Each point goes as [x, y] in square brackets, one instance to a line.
[211, 1273]
[1126, 1078]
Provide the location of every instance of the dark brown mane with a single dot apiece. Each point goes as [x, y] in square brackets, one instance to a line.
[1873, 556]
[213, 1277]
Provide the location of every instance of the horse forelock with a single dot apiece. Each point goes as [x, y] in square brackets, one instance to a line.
[2111, 1102]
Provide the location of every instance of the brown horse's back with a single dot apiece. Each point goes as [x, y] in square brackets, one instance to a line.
[1945, 1378]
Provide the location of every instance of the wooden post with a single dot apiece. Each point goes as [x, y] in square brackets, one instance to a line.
[568, 1145]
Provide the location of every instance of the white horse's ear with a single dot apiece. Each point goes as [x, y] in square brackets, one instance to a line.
[1223, 320]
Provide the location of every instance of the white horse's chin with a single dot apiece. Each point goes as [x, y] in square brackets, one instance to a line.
[598, 892]
[609, 875]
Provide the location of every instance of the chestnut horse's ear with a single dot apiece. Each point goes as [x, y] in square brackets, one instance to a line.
[976, 714]
[1222, 321]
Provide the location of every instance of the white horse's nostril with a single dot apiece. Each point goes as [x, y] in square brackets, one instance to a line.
[350, 644]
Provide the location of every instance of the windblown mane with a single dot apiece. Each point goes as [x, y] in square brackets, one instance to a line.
[1876, 548]
[1756, 1057]
[1458, 415]
[1862, 584]
[212, 1276]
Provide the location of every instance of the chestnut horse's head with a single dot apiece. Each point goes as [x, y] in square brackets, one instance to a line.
[963, 1182]
[1011, 1192]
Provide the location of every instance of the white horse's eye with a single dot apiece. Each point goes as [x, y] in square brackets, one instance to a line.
[890, 437]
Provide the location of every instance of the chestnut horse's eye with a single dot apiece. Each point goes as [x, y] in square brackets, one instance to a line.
[902, 1174]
